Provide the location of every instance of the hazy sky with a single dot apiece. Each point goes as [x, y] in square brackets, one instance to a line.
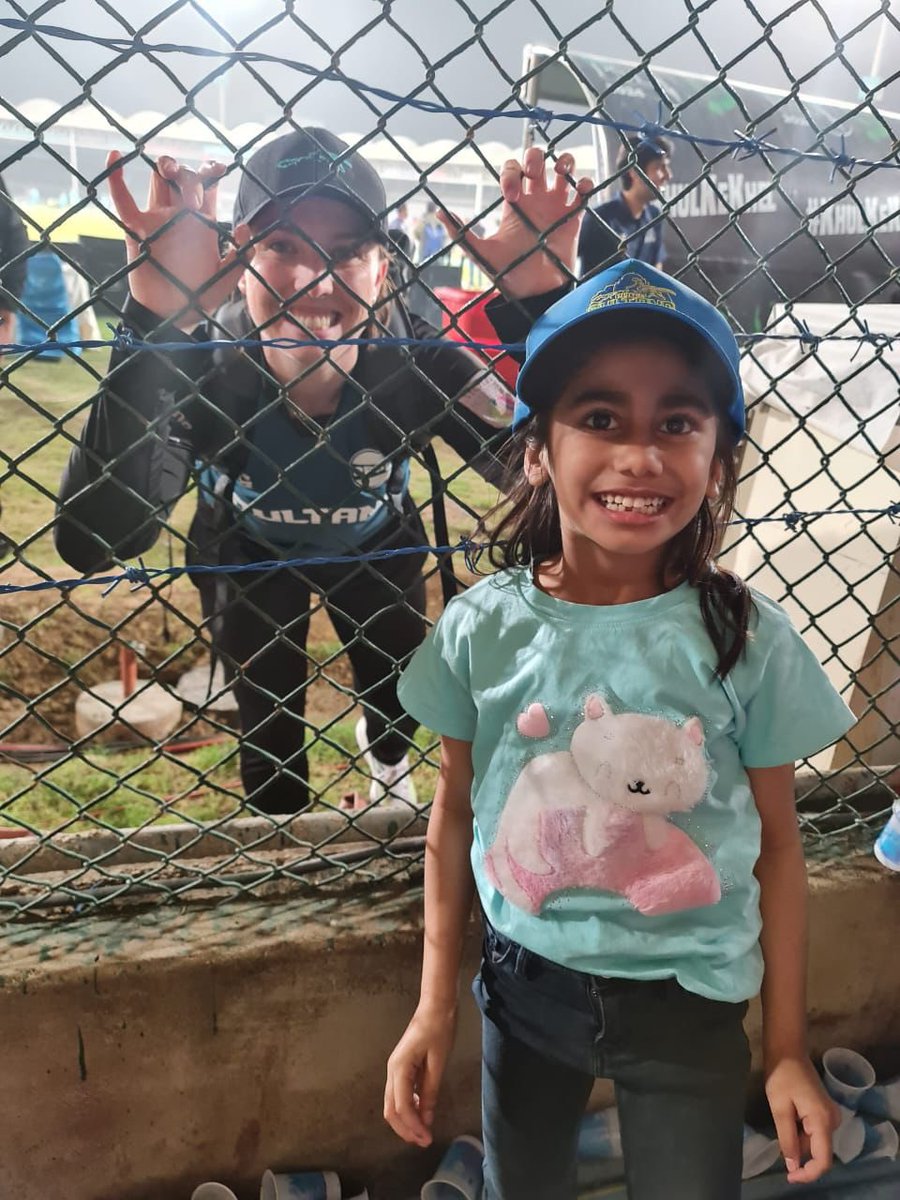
[392, 43]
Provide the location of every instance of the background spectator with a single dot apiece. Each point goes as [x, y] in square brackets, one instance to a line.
[631, 217]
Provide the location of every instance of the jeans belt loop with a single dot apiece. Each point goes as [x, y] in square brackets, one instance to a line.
[520, 968]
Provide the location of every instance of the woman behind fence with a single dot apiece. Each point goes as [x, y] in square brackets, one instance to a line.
[297, 451]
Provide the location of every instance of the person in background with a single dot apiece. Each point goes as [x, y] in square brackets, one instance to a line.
[401, 262]
[13, 266]
[429, 234]
[13, 263]
[429, 239]
[398, 221]
[297, 450]
[633, 216]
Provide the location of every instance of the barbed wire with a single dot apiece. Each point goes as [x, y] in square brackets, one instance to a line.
[141, 575]
[125, 340]
[744, 144]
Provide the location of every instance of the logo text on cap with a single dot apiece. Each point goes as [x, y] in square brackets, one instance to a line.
[632, 289]
[316, 156]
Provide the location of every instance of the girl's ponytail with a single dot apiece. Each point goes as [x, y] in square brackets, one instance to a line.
[725, 601]
[726, 607]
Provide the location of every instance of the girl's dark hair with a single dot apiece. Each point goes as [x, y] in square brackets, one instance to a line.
[524, 528]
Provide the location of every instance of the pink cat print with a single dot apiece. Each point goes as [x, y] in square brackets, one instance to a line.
[595, 816]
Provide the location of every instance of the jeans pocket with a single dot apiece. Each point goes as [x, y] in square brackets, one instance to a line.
[712, 1012]
[497, 949]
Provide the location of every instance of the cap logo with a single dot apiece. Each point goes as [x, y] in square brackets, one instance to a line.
[316, 156]
[632, 289]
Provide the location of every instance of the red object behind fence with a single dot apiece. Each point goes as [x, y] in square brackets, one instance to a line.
[475, 324]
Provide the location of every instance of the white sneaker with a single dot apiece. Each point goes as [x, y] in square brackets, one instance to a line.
[392, 781]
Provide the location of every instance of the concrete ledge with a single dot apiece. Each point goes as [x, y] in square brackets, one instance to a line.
[235, 839]
[144, 1053]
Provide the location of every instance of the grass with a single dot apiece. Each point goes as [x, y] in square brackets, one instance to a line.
[136, 787]
[42, 408]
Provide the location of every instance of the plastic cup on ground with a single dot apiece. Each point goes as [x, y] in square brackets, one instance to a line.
[887, 847]
[212, 1191]
[760, 1153]
[881, 1141]
[460, 1173]
[848, 1075]
[599, 1136]
[883, 1100]
[300, 1185]
[848, 1139]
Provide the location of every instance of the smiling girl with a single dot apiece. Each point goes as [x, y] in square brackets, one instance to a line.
[619, 721]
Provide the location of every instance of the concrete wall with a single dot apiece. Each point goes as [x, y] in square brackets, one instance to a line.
[145, 1052]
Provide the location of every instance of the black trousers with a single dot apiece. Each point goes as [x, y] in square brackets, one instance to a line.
[679, 1063]
[260, 628]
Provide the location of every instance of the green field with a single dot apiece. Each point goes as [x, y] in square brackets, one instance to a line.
[42, 407]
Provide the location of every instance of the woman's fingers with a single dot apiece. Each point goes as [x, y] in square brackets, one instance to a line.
[534, 170]
[174, 186]
[511, 180]
[450, 221]
[583, 188]
[163, 191]
[210, 174]
[563, 168]
[129, 213]
[190, 185]
[467, 239]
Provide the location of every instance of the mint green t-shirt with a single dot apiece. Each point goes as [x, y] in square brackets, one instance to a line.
[615, 831]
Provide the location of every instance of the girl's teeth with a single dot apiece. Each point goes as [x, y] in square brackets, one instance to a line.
[650, 504]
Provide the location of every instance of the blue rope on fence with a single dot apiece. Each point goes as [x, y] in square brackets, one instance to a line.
[743, 145]
[125, 340]
[140, 576]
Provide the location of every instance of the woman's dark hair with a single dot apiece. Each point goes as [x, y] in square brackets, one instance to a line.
[524, 528]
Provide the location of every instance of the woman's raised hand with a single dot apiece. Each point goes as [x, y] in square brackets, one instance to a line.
[181, 273]
[539, 225]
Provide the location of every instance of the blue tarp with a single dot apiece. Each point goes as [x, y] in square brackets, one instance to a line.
[46, 297]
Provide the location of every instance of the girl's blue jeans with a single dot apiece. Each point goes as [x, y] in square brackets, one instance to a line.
[679, 1063]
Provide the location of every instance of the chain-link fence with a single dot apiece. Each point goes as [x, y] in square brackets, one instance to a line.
[216, 564]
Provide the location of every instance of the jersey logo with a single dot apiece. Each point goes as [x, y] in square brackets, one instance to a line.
[633, 289]
[370, 469]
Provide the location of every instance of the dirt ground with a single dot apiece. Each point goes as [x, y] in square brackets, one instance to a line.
[48, 639]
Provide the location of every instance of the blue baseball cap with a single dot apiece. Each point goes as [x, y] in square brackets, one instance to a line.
[613, 299]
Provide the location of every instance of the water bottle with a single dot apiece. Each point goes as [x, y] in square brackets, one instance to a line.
[887, 848]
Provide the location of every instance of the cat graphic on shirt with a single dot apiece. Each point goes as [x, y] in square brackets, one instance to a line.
[595, 816]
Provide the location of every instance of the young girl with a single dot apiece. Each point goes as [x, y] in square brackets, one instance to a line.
[619, 721]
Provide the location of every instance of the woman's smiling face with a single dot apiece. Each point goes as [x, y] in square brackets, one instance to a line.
[326, 290]
[630, 452]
